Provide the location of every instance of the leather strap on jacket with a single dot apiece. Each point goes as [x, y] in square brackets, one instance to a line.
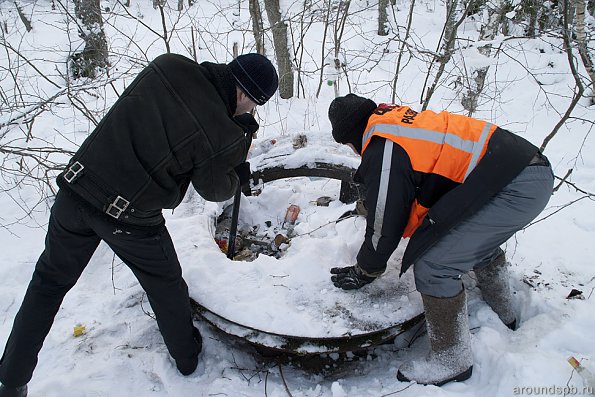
[90, 188]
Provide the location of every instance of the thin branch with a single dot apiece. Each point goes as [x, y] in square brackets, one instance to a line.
[579, 84]
[283, 379]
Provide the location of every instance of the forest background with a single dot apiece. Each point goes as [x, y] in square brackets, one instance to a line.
[524, 65]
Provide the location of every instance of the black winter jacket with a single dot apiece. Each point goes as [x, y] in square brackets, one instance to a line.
[172, 125]
[506, 156]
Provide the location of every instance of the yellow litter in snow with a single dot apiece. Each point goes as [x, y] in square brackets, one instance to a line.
[78, 330]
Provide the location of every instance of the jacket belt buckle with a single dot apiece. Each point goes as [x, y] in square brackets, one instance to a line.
[73, 172]
[116, 207]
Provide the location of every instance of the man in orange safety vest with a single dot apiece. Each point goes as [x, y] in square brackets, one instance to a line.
[459, 188]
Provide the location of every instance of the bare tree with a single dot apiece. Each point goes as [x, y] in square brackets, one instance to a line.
[402, 50]
[326, 22]
[279, 29]
[382, 18]
[305, 21]
[95, 54]
[339, 30]
[581, 41]
[444, 54]
[478, 76]
[23, 17]
[257, 25]
[338, 25]
[579, 88]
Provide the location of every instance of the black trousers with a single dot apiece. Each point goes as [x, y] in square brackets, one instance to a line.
[74, 232]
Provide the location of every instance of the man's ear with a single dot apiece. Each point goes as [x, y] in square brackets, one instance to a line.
[240, 94]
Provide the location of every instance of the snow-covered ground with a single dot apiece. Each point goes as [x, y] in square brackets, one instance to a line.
[121, 352]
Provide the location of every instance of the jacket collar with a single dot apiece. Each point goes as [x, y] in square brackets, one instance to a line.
[221, 77]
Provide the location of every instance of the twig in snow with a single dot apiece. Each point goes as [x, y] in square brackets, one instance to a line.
[326, 224]
[113, 281]
[148, 313]
[398, 391]
[241, 370]
[283, 379]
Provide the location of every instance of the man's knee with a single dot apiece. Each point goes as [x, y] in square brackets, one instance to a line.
[437, 280]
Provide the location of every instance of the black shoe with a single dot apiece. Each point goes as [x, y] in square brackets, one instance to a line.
[6, 391]
[187, 366]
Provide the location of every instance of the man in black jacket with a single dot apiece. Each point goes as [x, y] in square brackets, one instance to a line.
[179, 122]
[459, 188]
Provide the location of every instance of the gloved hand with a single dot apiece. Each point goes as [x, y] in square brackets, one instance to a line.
[350, 277]
[243, 172]
[248, 123]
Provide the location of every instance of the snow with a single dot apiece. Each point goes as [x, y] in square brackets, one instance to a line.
[122, 353]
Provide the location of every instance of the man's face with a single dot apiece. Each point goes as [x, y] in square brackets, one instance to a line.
[244, 103]
[353, 148]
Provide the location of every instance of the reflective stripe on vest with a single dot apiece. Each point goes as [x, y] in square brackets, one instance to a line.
[387, 159]
[474, 148]
[449, 145]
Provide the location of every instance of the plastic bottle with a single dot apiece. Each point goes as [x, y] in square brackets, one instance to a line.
[588, 377]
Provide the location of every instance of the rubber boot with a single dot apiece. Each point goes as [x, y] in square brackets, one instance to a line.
[450, 358]
[493, 281]
[6, 391]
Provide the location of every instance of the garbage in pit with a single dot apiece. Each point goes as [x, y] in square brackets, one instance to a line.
[274, 240]
[284, 300]
[251, 241]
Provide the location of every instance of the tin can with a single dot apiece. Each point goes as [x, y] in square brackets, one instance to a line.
[291, 214]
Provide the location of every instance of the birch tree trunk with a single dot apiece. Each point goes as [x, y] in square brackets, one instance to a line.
[282, 54]
[449, 35]
[488, 31]
[581, 41]
[95, 54]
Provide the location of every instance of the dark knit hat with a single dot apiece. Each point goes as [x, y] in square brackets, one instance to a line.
[349, 116]
[256, 76]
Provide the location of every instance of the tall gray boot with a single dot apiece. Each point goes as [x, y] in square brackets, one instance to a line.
[493, 281]
[450, 357]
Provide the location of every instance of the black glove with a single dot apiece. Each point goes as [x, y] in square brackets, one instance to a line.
[248, 123]
[243, 172]
[350, 277]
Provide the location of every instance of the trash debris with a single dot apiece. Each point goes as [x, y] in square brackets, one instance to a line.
[251, 242]
[79, 330]
[299, 141]
[575, 294]
[588, 377]
[278, 242]
[291, 215]
[323, 201]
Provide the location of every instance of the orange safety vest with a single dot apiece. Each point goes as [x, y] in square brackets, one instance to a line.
[446, 144]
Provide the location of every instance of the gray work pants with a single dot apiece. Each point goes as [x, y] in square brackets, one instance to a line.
[476, 241]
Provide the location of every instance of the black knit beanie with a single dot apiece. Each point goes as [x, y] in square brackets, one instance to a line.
[256, 76]
[349, 116]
